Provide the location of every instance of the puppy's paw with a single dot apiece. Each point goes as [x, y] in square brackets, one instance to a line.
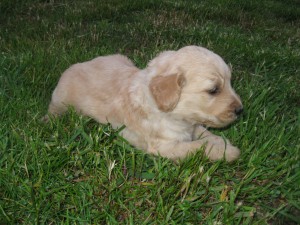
[217, 151]
[231, 153]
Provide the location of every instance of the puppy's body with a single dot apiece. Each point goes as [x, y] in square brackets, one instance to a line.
[162, 106]
[92, 88]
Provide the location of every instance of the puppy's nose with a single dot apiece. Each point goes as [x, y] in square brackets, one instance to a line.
[238, 110]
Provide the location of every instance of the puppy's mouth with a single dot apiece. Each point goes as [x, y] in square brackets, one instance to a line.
[219, 122]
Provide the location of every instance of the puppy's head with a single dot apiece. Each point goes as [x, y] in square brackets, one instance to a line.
[193, 83]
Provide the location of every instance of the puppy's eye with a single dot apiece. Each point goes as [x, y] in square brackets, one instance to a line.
[213, 91]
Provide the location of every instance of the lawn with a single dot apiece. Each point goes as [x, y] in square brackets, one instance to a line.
[76, 171]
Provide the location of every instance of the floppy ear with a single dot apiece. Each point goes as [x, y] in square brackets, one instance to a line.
[166, 90]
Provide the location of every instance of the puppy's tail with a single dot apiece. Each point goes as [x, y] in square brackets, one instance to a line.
[54, 110]
[45, 119]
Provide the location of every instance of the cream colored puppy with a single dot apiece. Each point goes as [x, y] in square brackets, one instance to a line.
[164, 106]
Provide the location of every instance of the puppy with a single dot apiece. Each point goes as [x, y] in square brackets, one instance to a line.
[164, 106]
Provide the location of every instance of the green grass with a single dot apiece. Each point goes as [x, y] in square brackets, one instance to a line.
[75, 171]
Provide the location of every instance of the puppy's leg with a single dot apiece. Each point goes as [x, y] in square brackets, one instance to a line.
[179, 150]
[133, 138]
[216, 146]
[202, 133]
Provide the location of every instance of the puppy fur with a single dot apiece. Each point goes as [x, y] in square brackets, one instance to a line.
[164, 106]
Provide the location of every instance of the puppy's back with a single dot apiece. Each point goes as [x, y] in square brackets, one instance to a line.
[92, 87]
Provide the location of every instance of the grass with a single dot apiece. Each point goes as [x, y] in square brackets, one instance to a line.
[75, 171]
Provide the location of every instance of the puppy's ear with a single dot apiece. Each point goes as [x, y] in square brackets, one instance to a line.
[166, 90]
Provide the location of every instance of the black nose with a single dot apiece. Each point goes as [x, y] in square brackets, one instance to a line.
[238, 110]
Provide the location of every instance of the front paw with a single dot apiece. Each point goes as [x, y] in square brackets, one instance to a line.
[217, 151]
[232, 153]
